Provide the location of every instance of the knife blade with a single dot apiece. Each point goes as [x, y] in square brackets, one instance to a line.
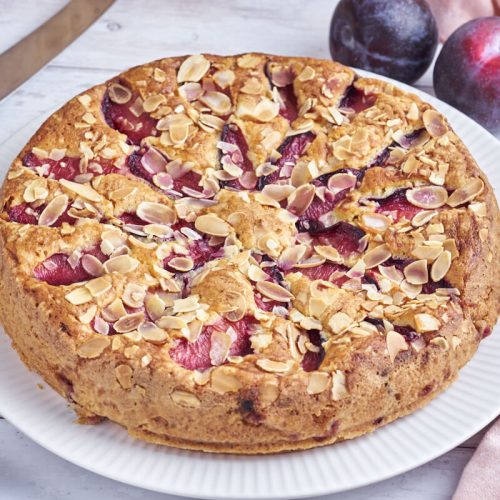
[34, 51]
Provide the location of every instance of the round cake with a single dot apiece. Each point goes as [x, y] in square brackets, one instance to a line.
[247, 254]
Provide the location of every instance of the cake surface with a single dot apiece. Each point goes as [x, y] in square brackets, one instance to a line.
[247, 254]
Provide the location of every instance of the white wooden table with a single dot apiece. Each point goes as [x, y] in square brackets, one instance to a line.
[130, 33]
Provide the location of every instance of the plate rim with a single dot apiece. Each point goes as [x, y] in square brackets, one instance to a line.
[31, 128]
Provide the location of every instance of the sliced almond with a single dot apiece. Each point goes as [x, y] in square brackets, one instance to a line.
[427, 252]
[121, 264]
[274, 291]
[223, 382]
[339, 388]
[129, 322]
[185, 399]
[54, 209]
[119, 94]
[150, 332]
[427, 197]
[396, 343]
[467, 193]
[181, 264]
[224, 78]
[441, 266]
[423, 217]
[340, 322]
[271, 366]
[88, 315]
[426, 323]
[375, 223]
[155, 213]
[83, 190]
[417, 273]
[193, 69]
[124, 374]
[329, 253]
[306, 74]
[94, 347]
[212, 225]
[301, 198]
[377, 256]
[434, 123]
[98, 286]
[92, 265]
[153, 102]
[219, 347]
[134, 295]
[318, 382]
[78, 296]
[218, 102]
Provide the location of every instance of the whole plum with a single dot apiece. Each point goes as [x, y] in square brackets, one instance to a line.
[467, 71]
[395, 38]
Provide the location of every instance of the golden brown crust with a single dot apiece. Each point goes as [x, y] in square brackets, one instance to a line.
[238, 261]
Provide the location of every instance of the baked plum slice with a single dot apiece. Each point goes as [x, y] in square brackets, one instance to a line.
[68, 167]
[123, 110]
[148, 163]
[333, 187]
[200, 251]
[343, 236]
[397, 206]
[282, 80]
[291, 150]
[234, 153]
[357, 100]
[64, 269]
[312, 360]
[197, 355]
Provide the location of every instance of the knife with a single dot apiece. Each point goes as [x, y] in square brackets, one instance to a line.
[29, 55]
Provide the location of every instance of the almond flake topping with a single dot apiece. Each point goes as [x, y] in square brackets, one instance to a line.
[441, 266]
[94, 347]
[152, 103]
[221, 381]
[416, 273]
[212, 225]
[467, 193]
[182, 264]
[376, 223]
[318, 382]
[218, 102]
[156, 213]
[134, 295]
[396, 343]
[152, 333]
[426, 323]
[274, 291]
[193, 69]
[129, 322]
[427, 197]
[78, 296]
[219, 347]
[83, 190]
[121, 264]
[339, 389]
[54, 209]
[98, 286]
[186, 399]
[119, 94]
[271, 366]
[434, 123]
[377, 256]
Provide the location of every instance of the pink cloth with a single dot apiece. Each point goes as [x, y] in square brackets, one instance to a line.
[450, 14]
[481, 477]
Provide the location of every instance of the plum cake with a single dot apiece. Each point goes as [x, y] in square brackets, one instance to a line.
[247, 254]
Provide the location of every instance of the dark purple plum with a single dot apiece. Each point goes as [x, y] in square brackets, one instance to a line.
[467, 71]
[395, 38]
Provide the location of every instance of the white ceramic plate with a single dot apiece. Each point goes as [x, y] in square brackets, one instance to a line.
[466, 407]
